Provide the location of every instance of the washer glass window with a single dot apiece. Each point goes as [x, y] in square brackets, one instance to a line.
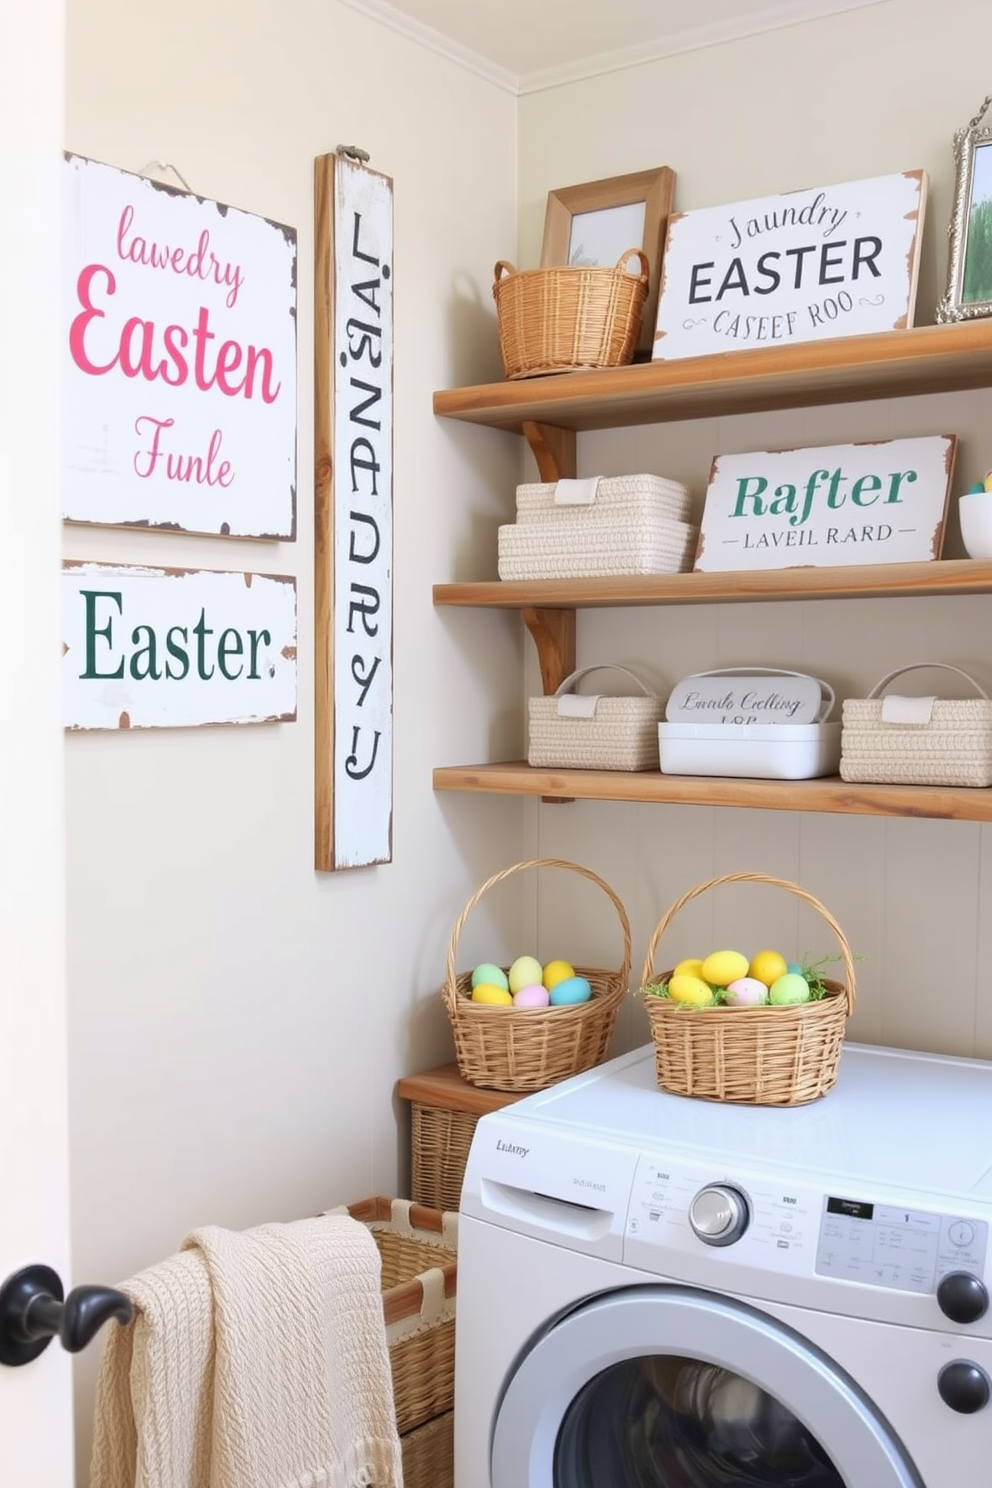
[664, 1421]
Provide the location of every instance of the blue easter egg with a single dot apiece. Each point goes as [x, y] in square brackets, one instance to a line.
[570, 991]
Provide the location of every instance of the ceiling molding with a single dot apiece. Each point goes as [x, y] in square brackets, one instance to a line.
[435, 41]
[774, 18]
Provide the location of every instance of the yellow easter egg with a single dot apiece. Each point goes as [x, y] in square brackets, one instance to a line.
[492, 996]
[555, 972]
[720, 968]
[690, 991]
[692, 967]
[767, 967]
[988, 480]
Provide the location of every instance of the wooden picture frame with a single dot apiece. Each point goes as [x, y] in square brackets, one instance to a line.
[620, 212]
[969, 269]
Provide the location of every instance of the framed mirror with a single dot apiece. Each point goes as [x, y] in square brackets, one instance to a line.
[969, 273]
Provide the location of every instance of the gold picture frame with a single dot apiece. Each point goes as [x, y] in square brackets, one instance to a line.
[969, 268]
[595, 222]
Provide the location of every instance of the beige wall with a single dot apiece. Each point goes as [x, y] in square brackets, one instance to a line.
[237, 1021]
[841, 98]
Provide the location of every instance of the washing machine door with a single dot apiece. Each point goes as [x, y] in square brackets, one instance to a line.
[670, 1387]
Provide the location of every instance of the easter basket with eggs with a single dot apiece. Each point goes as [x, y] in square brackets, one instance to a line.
[523, 1045]
[778, 1045]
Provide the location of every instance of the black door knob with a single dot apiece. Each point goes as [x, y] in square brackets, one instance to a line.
[34, 1310]
[962, 1297]
[964, 1387]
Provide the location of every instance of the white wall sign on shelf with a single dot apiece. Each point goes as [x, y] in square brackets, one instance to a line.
[175, 648]
[805, 266]
[353, 512]
[883, 502]
[179, 380]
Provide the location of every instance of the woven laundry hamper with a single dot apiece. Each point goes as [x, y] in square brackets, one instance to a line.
[418, 1248]
[568, 318]
[576, 731]
[892, 740]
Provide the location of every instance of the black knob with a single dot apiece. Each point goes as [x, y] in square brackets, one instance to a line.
[33, 1312]
[964, 1387]
[962, 1297]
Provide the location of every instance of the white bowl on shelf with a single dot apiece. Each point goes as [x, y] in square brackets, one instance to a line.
[975, 513]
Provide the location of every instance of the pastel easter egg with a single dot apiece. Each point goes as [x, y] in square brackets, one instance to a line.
[789, 989]
[572, 990]
[534, 996]
[978, 488]
[691, 967]
[746, 992]
[690, 991]
[525, 972]
[556, 971]
[492, 975]
[720, 968]
[491, 996]
[987, 483]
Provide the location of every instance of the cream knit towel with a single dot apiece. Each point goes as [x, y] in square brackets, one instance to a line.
[256, 1360]
[154, 1399]
[303, 1393]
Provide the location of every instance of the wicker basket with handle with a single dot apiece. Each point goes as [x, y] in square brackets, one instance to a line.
[522, 1049]
[563, 319]
[759, 1056]
[918, 741]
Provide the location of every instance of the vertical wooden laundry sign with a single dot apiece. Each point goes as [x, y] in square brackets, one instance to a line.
[353, 512]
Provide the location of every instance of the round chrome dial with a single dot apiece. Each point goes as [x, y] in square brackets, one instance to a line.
[719, 1214]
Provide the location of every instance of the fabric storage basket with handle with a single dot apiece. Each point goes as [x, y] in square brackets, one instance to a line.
[524, 1049]
[586, 731]
[563, 319]
[893, 740]
[759, 1056]
[418, 1247]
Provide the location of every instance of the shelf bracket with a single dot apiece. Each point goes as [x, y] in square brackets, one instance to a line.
[553, 450]
[554, 637]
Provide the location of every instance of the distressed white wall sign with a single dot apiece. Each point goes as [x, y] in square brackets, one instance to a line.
[171, 648]
[884, 502]
[805, 266]
[353, 514]
[179, 360]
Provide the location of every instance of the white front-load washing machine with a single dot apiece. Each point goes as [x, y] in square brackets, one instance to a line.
[659, 1292]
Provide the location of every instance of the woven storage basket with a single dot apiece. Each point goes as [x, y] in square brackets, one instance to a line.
[949, 743]
[587, 544]
[429, 1454]
[757, 1056]
[623, 496]
[440, 1141]
[564, 319]
[418, 1248]
[586, 732]
[518, 1049]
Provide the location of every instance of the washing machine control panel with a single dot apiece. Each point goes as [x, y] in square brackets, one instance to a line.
[770, 1235]
[910, 1250]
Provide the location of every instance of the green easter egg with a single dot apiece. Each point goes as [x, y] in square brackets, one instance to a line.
[491, 975]
[789, 989]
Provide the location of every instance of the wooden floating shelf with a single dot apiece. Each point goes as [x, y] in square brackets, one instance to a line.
[848, 369]
[944, 576]
[831, 795]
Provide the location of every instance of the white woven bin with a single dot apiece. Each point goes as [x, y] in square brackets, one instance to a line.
[917, 741]
[570, 731]
[585, 544]
[648, 496]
